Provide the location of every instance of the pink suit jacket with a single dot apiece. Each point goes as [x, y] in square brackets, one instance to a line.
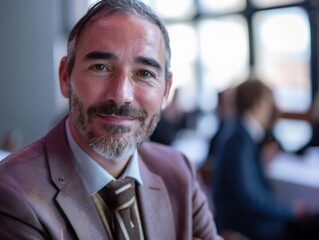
[42, 195]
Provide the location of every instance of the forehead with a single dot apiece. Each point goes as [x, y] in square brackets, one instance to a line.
[121, 30]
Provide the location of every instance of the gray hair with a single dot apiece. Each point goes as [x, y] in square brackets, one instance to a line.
[112, 6]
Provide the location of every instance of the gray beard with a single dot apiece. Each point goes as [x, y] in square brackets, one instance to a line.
[116, 149]
[119, 149]
[109, 147]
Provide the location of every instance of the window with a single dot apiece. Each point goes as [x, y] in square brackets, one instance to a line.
[183, 62]
[270, 3]
[168, 9]
[223, 57]
[217, 44]
[282, 43]
[221, 6]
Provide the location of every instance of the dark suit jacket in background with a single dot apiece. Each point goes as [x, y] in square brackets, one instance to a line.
[243, 198]
[42, 195]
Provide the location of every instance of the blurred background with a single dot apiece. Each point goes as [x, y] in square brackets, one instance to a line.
[216, 44]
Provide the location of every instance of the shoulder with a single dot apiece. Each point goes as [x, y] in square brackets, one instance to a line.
[33, 157]
[154, 149]
[30, 165]
[21, 169]
[23, 157]
[38, 148]
[155, 153]
[22, 173]
[237, 132]
[164, 160]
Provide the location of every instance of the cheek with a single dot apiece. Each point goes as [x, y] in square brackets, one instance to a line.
[87, 93]
[150, 101]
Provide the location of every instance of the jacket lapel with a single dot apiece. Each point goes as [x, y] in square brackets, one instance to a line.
[73, 196]
[155, 207]
[81, 211]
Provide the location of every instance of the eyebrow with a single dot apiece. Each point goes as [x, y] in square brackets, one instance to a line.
[99, 55]
[149, 62]
[111, 56]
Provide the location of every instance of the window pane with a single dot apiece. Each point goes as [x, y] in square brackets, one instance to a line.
[148, 2]
[283, 55]
[221, 5]
[168, 9]
[91, 2]
[183, 64]
[223, 56]
[270, 3]
[292, 134]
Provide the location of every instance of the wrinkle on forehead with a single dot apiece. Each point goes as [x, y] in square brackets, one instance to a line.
[141, 33]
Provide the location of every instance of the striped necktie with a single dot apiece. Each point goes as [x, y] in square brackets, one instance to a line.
[120, 198]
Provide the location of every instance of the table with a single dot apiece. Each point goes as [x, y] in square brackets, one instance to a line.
[296, 177]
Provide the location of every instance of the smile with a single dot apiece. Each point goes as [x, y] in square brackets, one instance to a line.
[116, 119]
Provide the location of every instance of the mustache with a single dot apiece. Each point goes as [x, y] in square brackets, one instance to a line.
[112, 108]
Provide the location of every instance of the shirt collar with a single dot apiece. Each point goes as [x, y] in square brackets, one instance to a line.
[253, 127]
[94, 176]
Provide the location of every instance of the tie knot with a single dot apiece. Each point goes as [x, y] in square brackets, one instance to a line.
[121, 210]
[119, 194]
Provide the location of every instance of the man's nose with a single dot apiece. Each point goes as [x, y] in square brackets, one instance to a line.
[121, 89]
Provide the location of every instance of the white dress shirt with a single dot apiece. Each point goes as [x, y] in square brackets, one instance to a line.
[253, 127]
[93, 174]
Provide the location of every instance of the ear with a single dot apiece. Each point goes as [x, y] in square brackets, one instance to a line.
[167, 91]
[64, 77]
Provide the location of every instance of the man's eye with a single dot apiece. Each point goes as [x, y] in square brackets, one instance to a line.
[99, 67]
[145, 74]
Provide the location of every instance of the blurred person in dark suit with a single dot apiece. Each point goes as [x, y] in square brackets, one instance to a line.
[225, 112]
[243, 197]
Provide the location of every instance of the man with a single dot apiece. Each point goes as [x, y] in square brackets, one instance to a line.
[243, 197]
[116, 76]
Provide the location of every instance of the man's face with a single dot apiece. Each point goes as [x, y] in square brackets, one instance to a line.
[117, 85]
